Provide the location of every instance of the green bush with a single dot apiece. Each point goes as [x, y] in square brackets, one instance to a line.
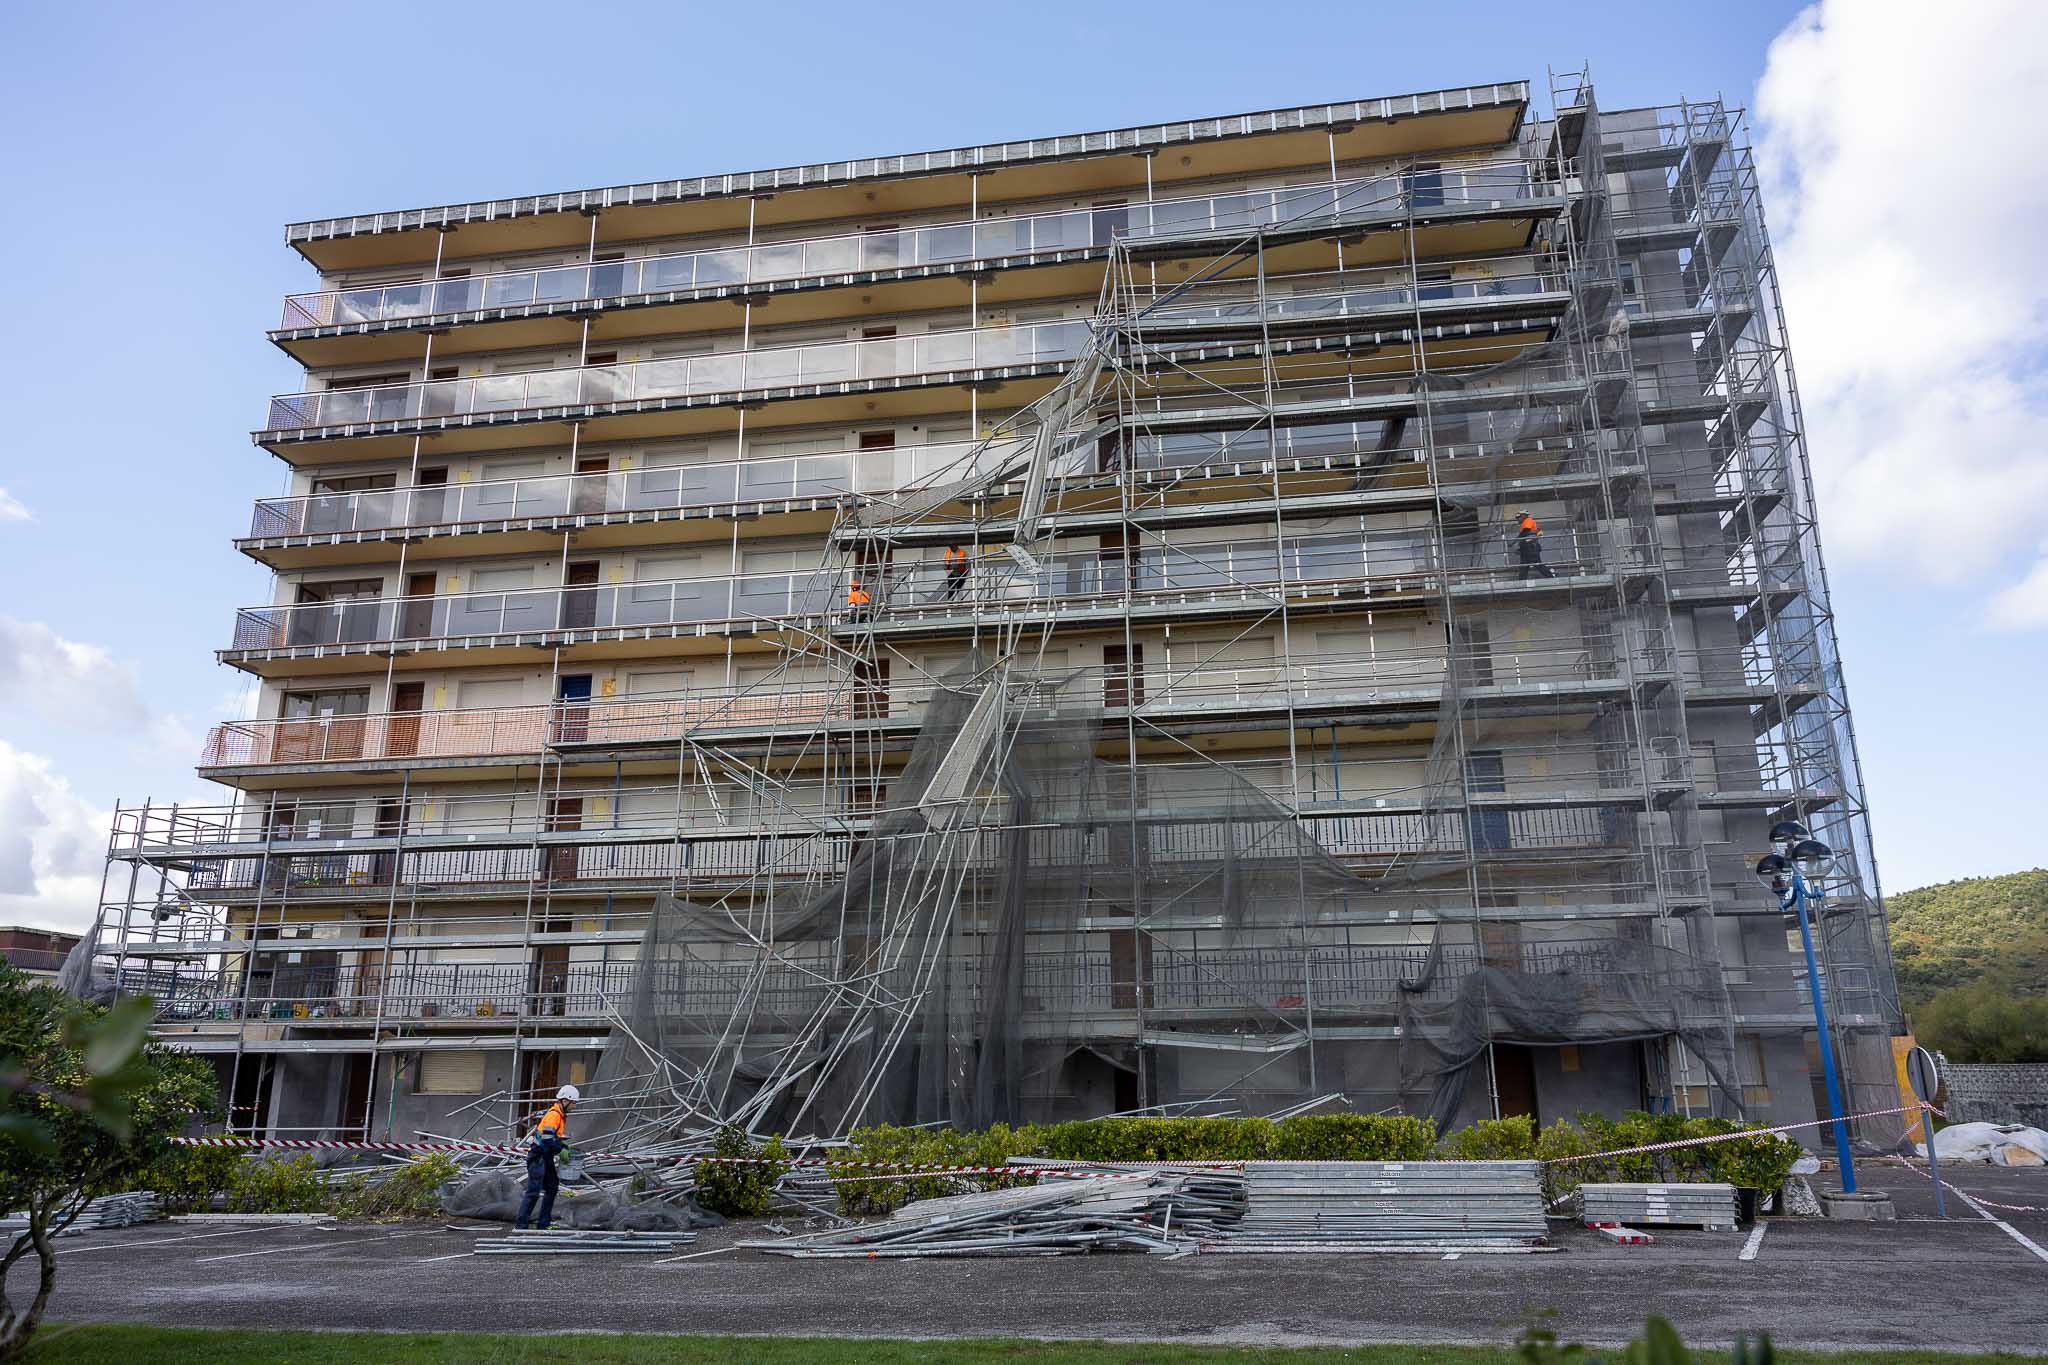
[1553, 1144]
[287, 1186]
[1509, 1139]
[740, 1189]
[410, 1191]
[189, 1178]
[1984, 1022]
[1355, 1137]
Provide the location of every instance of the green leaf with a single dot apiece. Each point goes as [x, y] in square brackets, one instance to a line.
[112, 1040]
[28, 1133]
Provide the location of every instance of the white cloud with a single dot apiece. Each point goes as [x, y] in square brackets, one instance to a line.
[52, 842]
[1901, 163]
[82, 686]
[12, 509]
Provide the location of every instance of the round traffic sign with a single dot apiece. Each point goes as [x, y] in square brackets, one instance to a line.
[1922, 1074]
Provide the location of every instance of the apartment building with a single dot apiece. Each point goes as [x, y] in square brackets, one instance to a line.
[1313, 605]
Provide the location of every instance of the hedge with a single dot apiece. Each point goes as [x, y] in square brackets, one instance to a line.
[1760, 1162]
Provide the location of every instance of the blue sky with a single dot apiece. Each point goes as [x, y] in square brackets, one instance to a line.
[155, 153]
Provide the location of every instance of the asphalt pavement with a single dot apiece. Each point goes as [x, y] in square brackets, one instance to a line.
[1964, 1282]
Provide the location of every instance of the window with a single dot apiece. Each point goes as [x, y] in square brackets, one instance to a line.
[664, 682]
[451, 1073]
[502, 580]
[369, 381]
[493, 692]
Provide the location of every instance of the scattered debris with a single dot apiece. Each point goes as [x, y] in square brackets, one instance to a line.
[1159, 1212]
[574, 1242]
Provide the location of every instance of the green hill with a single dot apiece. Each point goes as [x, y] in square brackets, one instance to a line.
[1981, 929]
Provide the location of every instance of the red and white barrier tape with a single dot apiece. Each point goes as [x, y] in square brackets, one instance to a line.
[1987, 1203]
[340, 1145]
[1737, 1134]
[889, 1170]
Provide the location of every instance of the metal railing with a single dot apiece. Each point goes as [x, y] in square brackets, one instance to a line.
[1166, 684]
[1175, 978]
[833, 362]
[953, 243]
[824, 475]
[1396, 560]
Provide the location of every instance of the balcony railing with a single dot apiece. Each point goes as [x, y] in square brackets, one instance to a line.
[955, 243]
[833, 362]
[1196, 683]
[626, 490]
[792, 985]
[1399, 560]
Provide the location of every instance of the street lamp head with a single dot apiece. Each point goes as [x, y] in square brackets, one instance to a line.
[1775, 872]
[1813, 856]
[1786, 833]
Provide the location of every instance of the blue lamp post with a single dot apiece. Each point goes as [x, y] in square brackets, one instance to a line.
[1785, 872]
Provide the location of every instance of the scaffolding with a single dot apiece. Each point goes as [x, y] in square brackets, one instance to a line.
[1461, 614]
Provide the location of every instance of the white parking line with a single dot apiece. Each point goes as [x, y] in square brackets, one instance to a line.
[2008, 1229]
[161, 1241]
[456, 1257]
[310, 1246]
[693, 1255]
[1756, 1240]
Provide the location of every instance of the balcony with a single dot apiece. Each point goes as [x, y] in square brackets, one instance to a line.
[1342, 568]
[902, 251]
[793, 983]
[1329, 305]
[1352, 130]
[623, 493]
[1347, 682]
[683, 378]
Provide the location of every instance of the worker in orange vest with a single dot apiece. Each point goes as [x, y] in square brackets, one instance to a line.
[858, 603]
[550, 1140]
[956, 571]
[1529, 548]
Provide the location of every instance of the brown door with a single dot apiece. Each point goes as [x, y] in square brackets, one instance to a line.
[416, 619]
[591, 485]
[579, 596]
[355, 1092]
[390, 824]
[565, 813]
[1123, 675]
[1129, 951]
[402, 735]
[551, 971]
[871, 695]
[1514, 1080]
[543, 1078]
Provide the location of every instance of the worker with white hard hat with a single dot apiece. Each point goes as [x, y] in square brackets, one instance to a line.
[550, 1140]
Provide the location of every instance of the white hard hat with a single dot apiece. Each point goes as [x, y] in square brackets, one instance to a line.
[569, 1093]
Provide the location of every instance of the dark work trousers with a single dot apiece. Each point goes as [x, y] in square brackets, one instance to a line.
[956, 579]
[1529, 551]
[541, 1184]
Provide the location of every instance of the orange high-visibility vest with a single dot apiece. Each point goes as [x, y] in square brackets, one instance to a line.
[856, 596]
[1528, 526]
[554, 1121]
[956, 557]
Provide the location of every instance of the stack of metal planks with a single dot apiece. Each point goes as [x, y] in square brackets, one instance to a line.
[1365, 1206]
[580, 1242]
[1706, 1206]
[1151, 1211]
[108, 1211]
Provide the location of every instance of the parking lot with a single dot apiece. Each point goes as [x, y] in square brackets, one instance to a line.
[1963, 1282]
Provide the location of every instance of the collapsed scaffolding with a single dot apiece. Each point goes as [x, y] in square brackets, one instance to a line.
[1056, 898]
